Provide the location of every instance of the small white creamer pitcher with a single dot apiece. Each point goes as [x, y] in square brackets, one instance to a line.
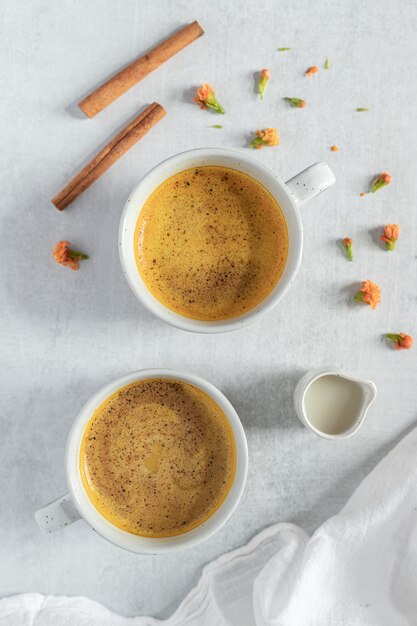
[332, 403]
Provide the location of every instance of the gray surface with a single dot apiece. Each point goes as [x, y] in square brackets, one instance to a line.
[64, 334]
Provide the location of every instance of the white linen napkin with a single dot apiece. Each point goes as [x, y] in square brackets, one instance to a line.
[358, 569]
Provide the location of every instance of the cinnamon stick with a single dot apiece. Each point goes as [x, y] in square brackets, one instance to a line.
[136, 71]
[110, 154]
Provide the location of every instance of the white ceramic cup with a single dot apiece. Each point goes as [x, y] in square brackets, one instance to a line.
[369, 392]
[290, 196]
[76, 504]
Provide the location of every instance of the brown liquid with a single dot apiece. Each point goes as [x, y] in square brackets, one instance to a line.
[158, 458]
[211, 243]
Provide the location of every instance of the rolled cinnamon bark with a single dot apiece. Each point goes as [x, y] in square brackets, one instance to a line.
[110, 154]
[136, 71]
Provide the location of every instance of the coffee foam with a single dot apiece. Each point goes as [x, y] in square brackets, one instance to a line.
[211, 243]
[158, 458]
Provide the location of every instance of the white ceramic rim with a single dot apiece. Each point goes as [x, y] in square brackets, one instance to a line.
[121, 538]
[369, 391]
[197, 158]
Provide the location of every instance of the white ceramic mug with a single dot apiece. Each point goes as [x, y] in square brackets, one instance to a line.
[369, 392]
[290, 196]
[76, 504]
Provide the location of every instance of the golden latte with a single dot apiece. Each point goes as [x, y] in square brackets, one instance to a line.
[158, 457]
[211, 243]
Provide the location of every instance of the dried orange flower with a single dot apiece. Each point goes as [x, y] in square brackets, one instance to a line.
[380, 181]
[296, 102]
[334, 148]
[266, 137]
[312, 70]
[65, 256]
[369, 293]
[400, 340]
[264, 76]
[347, 244]
[206, 98]
[390, 236]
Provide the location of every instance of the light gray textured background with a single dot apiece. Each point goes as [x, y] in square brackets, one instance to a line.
[64, 334]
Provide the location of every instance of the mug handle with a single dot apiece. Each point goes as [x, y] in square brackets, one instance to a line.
[57, 514]
[310, 182]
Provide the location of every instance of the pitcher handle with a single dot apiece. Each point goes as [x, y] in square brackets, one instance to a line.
[57, 514]
[310, 182]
